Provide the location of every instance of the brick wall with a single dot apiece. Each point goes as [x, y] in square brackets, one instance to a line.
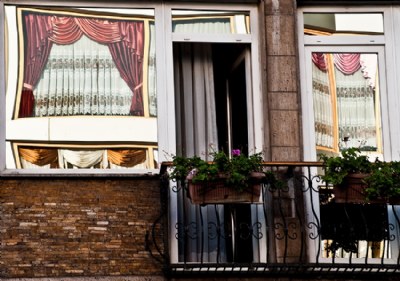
[77, 226]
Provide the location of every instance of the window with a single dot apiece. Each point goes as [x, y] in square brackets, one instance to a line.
[348, 93]
[215, 75]
[346, 98]
[81, 90]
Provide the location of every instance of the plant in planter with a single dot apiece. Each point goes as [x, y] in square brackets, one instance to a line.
[232, 179]
[338, 167]
[347, 173]
[384, 182]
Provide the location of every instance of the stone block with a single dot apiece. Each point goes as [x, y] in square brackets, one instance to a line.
[285, 128]
[286, 153]
[281, 73]
[286, 7]
[280, 35]
[283, 101]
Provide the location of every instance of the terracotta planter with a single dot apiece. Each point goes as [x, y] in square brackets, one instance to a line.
[394, 200]
[351, 190]
[216, 192]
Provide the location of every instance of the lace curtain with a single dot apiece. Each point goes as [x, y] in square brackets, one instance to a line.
[81, 79]
[356, 110]
[323, 107]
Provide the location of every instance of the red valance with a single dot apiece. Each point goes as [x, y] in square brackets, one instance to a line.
[347, 63]
[319, 60]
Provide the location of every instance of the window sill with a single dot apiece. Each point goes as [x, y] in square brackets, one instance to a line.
[82, 173]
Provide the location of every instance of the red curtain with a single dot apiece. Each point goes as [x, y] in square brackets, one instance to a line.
[319, 61]
[37, 50]
[347, 63]
[124, 38]
[127, 53]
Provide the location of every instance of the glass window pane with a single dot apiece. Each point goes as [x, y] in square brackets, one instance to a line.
[346, 101]
[343, 23]
[213, 22]
[85, 88]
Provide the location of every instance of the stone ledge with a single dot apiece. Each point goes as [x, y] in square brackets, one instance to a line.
[103, 278]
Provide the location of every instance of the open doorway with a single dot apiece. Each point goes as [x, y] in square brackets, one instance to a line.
[212, 88]
[212, 92]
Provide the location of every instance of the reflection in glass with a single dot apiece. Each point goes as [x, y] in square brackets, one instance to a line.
[98, 69]
[355, 230]
[343, 23]
[80, 85]
[211, 22]
[35, 157]
[346, 101]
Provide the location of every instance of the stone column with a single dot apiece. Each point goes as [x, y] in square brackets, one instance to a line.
[284, 117]
[282, 90]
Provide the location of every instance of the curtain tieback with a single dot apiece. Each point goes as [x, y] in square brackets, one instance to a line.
[28, 86]
[138, 86]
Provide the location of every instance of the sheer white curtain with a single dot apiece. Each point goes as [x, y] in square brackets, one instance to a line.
[81, 158]
[203, 25]
[152, 90]
[356, 109]
[323, 115]
[196, 132]
[81, 79]
[194, 89]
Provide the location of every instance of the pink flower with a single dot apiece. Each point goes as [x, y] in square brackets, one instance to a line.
[235, 152]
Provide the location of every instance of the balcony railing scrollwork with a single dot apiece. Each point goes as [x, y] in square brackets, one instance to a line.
[297, 229]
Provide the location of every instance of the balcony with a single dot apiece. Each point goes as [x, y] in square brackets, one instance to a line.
[298, 229]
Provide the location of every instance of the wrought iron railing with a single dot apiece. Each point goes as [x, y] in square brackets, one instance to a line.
[298, 228]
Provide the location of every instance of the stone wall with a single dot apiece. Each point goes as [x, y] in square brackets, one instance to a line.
[77, 226]
[283, 130]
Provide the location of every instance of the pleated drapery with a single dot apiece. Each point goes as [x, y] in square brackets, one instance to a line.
[32, 157]
[37, 31]
[319, 61]
[126, 157]
[347, 63]
[39, 156]
[125, 40]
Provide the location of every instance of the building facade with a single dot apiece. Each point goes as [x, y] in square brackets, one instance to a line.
[97, 98]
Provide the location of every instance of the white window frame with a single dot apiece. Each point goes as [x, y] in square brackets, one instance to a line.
[255, 123]
[254, 104]
[389, 75]
[143, 135]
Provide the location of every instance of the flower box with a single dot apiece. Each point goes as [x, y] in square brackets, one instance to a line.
[216, 192]
[351, 190]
